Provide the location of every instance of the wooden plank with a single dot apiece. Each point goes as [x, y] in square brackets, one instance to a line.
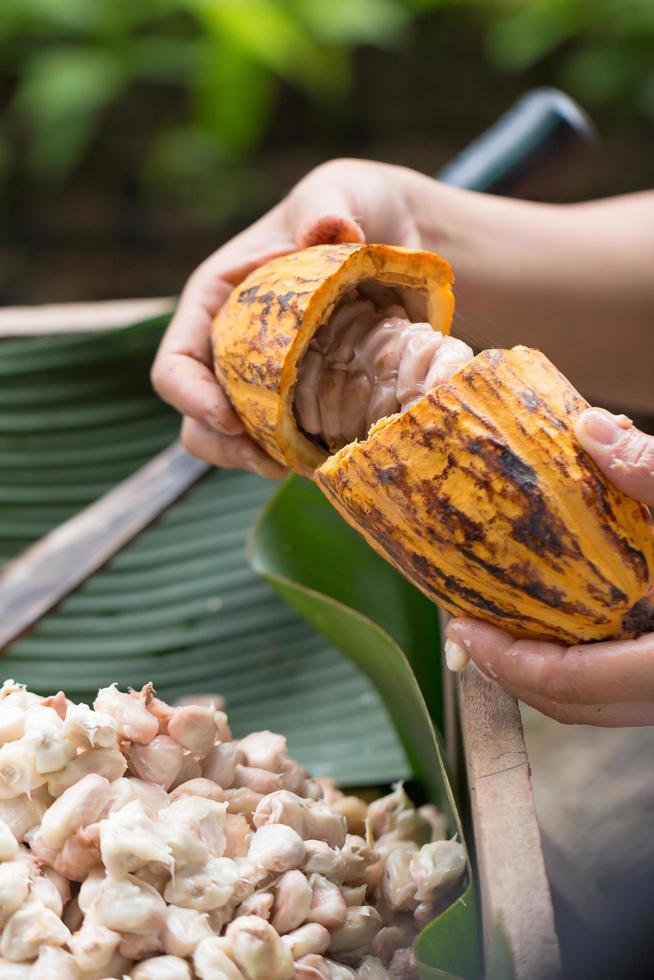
[50, 569]
[26, 321]
[510, 864]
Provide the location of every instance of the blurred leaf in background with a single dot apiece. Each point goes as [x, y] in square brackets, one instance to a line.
[607, 46]
[61, 96]
[68, 62]
[137, 134]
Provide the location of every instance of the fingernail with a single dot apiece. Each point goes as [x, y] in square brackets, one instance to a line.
[456, 658]
[602, 427]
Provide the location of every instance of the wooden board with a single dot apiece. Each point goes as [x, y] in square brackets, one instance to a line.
[34, 321]
[483, 730]
[509, 855]
[485, 744]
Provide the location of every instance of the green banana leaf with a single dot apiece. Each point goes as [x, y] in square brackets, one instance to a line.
[390, 631]
[180, 605]
[501, 964]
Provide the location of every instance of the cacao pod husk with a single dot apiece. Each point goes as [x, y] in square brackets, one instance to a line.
[479, 493]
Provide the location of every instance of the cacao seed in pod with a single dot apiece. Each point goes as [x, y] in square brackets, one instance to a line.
[478, 492]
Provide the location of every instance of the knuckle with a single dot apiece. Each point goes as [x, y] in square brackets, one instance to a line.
[558, 684]
[200, 274]
[330, 171]
[642, 452]
[565, 689]
[546, 671]
[328, 167]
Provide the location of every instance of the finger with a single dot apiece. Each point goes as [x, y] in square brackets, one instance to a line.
[330, 228]
[594, 673]
[626, 714]
[232, 452]
[352, 201]
[182, 373]
[191, 388]
[326, 223]
[623, 453]
[190, 328]
[483, 642]
[321, 211]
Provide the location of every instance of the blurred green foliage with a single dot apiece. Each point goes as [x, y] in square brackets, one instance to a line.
[71, 59]
[67, 64]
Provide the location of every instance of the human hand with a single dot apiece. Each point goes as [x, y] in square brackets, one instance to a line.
[341, 201]
[610, 683]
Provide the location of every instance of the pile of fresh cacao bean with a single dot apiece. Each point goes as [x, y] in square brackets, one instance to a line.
[141, 839]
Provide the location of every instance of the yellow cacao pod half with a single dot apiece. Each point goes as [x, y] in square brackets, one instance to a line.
[478, 493]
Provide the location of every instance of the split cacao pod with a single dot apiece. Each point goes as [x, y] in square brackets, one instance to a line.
[479, 493]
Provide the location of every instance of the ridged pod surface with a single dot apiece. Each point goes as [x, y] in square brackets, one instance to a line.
[479, 493]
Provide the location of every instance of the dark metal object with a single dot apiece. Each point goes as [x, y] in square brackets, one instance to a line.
[525, 139]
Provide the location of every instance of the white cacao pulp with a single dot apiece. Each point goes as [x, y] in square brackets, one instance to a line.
[369, 362]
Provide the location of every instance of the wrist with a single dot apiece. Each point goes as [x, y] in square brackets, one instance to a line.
[452, 222]
[430, 206]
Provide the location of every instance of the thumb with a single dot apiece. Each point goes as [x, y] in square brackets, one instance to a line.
[330, 229]
[623, 453]
[320, 213]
